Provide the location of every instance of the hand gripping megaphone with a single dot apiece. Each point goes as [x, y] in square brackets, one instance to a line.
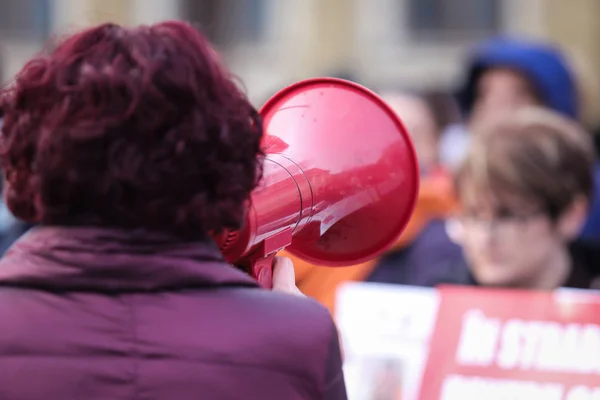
[340, 180]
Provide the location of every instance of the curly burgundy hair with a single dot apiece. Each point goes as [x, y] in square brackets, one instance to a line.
[130, 128]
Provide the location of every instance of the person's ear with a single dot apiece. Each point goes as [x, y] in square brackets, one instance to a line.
[570, 223]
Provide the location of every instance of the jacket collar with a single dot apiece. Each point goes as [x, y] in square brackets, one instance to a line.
[113, 260]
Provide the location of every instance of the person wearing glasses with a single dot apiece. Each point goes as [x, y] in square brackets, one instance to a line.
[525, 189]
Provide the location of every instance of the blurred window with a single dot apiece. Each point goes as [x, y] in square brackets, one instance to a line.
[25, 19]
[453, 19]
[229, 23]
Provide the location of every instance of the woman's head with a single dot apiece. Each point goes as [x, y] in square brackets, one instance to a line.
[133, 128]
[524, 190]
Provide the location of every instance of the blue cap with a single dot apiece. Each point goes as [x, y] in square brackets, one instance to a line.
[543, 64]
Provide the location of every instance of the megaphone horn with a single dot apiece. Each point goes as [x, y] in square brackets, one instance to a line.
[340, 179]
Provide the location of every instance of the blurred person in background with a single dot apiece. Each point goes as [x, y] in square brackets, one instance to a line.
[410, 260]
[525, 189]
[506, 74]
[426, 251]
[130, 147]
[503, 75]
[421, 123]
[10, 227]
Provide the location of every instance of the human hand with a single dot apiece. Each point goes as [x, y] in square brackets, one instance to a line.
[284, 277]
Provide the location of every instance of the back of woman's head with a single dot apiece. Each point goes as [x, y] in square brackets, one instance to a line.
[131, 128]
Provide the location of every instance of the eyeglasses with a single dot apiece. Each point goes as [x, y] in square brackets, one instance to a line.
[505, 225]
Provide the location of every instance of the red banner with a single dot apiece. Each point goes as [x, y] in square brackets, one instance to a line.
[503, 344]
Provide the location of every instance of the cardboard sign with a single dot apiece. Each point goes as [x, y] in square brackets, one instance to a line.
[501, 344]
[385, 331]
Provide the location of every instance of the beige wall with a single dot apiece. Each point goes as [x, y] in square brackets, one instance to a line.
[333, 35]
[577, 29]
[128, 12]
[76, 14]
[312, 37]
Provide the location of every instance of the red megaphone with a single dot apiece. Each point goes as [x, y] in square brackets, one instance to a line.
[340, 179]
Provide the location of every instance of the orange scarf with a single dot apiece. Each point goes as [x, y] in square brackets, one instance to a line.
[436, 199]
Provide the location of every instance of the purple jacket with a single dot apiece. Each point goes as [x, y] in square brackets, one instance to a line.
[98, 314]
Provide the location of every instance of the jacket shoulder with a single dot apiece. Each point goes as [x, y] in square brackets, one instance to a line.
[288, 311]
[301, 334]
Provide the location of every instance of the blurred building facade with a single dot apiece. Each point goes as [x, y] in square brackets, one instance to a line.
[270, 43]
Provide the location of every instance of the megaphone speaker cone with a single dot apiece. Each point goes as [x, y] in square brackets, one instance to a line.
[340, 177]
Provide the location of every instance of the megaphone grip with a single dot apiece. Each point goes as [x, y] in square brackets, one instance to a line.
[262, 270]
[261, 261]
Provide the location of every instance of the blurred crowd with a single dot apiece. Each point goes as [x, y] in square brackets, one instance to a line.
[510, 183]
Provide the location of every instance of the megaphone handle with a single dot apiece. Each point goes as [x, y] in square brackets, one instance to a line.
[262, 270]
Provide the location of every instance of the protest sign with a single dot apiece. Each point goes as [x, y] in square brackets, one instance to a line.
[494, 344]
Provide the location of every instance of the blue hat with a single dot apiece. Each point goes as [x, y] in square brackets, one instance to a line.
[544, 65]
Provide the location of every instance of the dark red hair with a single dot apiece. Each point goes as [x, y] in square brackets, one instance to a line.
[130, 128]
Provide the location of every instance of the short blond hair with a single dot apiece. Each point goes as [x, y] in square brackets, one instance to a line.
[535, 154]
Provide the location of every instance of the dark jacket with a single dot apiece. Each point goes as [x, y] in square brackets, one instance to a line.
[430, 259]
[91, 314]
[10, 233]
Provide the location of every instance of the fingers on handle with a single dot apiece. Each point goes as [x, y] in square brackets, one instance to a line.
[284, 277]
